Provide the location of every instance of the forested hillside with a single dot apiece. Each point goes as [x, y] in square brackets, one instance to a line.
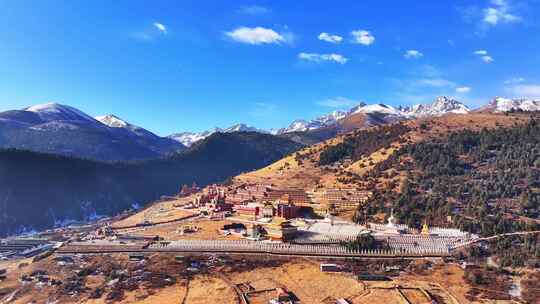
[486, 182]
[37, 190]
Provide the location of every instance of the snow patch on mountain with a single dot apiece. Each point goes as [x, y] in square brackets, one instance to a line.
[189, 138]
[57, 112]
[112, 121]
[441, 106]
[500, 104]
[376, 108]
[301, 125]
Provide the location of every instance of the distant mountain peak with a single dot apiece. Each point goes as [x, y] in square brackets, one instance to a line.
[53, 111]
[440, 106]
[189, 138]
[501, 104]
[112, 121]
[62, 129]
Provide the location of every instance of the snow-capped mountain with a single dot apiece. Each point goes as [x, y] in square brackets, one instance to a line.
[375, 108]
[56, 112]
[441, 106]
[243, 128]
[301, 125]
[61, 129]
[113, 121]
[189, 138]
[500, 104]
[375, 114]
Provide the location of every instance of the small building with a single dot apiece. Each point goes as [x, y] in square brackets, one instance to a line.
[288, 211]
[253, 231]
[282, 295]
[249, 211]
[281, 229]
[135, 256]
[268, 210]
[330, 268]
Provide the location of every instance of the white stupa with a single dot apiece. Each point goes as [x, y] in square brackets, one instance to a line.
[392, 226]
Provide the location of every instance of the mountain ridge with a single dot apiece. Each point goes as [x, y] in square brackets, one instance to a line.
[65, 130]
[39, 190]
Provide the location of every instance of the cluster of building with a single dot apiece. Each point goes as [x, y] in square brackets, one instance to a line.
[273, 206]
[254, 201]
[278, 214]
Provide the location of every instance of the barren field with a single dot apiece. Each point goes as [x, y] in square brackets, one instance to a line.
[304, 279]
[158, 212]
[206, 230]
[216, 283]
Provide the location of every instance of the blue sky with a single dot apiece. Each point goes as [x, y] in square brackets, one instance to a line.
[173, 66]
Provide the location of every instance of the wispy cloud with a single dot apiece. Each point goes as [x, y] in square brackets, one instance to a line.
[412, 54]
[330, 38]
[362, 37]
[338, 102]
[421, 84]
[487, 59]
[463, 89]
[514, 80]
[258, 35]
[314, 57]
[150, 32]
[499, 11]
[254, 10]
[160, 27]
[484, 56]
[524, 90]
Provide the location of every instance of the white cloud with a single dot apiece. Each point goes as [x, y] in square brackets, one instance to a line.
[484, 56]
[330, 38]
[436, 82]
[463, 89]
[160, 27]
[337, 102]
[363, 37]
[254, 10]
[257, 35]
[525, 90]
[487, 59]
[499, 12]
[514, 80]
[413, 54]
[314, 57]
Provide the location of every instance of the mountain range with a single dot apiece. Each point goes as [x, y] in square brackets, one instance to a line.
[384, 113]
[61, 129]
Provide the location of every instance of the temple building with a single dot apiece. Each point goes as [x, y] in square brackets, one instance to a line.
[280, 229]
